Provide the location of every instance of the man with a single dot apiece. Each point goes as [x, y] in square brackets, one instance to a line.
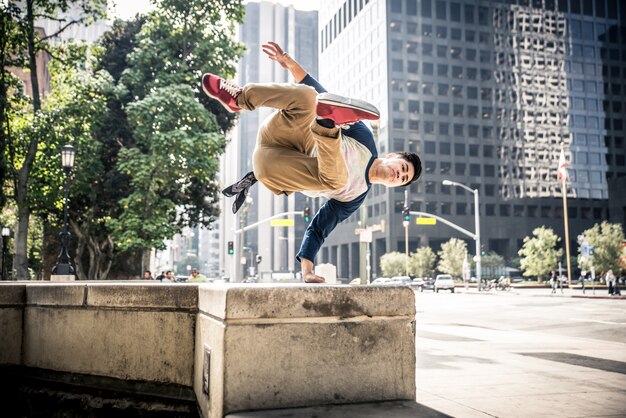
[147, 275]
[196, 277]
[315, 143]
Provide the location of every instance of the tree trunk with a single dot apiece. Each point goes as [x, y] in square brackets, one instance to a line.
[145, 261]
[81, 244]
[20, 261]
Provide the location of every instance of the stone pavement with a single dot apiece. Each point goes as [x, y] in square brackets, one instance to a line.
[473, 368]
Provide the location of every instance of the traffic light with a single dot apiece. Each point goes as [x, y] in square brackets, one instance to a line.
[482, 250]
[406, 214]
[306, 213]
[231, 248]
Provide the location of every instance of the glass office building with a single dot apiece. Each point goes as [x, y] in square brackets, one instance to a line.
[487, 92]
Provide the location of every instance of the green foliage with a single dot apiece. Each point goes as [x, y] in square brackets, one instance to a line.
[491, 263]
[607, 239]
[539, 254]
[451, 257]
[422, 262]
[393, 264]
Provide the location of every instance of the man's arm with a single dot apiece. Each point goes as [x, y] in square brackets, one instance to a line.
[276, 53]
[325, 220]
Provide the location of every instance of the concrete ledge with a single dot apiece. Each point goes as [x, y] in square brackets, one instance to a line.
[154, 295]
[259, 301]
[266, 347]
[58, 294]
[12, 293]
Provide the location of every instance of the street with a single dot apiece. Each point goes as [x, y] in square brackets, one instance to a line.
[521, 353]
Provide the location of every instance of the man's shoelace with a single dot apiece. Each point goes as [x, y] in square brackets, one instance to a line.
[231, 88]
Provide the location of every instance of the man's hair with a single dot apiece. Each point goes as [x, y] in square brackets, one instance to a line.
[412, 158]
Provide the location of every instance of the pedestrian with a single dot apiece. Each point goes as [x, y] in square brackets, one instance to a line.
[610, 281]
[553, 281]
[196, 277]
[314, 143]
[161, 276]
[582, 280]
[169, 277]
[147, 275]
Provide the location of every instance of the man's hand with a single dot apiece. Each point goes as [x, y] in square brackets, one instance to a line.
[276, 53]
[307, 272]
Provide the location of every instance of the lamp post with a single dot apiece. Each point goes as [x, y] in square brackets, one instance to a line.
[476, 226]
[5, 240]
[64, 262]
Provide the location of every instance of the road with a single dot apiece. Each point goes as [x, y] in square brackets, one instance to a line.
[523, 353]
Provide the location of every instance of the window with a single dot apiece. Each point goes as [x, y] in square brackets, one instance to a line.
[414, 107]
[427, 31]
[459, 149]
[470, 35]
[430, 188]
[457, 71]
[470, 54]
[442, 52]
[444, 148]
[411, 8]
[396, 6]
[488, 151]
[429, 108]
[441, 10]
[429, 127]
[455, 34]
[444, 128]
[518, 211]
[505, 210]
[459, 169]
[455, 12]
[442, 32]
[472, 92]
[412, 67]
[442, 70]
[429, 147]
[490, 190]
[490, 210]
[459, 130]
[490, 170]
[461, 209]
[444, 109]
[398, 123]
[430, 166]
[473, 150]
[446, 208]
[427, 68]
[474, 170]
[442, 89]
[397, 65]
[427, 50]
[469, 13]
[427, 88]
[445, 167]
[427, 10]
[458, 110]
[473, 131]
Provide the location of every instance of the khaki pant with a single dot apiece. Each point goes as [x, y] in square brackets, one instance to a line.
[281, 158]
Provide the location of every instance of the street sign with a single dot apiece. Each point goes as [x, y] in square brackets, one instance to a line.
[426, 221]
[366, 236]
[282, 222]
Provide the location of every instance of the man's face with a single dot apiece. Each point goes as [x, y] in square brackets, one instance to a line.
[146, 275]
[396, 170]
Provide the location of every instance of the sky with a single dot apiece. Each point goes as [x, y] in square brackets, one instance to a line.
[126, 9]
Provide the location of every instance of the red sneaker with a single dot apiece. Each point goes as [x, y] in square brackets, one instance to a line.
[344, 110]
[222, 90]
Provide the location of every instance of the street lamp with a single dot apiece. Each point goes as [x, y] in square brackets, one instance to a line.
[5, 240]
[64, 262]
[476, 225]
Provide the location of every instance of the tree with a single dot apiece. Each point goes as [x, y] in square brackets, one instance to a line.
[451, 257]
[491, 262]
[172, 162]
[393, 264]
[539, 254]
[607, 239]
[422, 262]
[23, 45]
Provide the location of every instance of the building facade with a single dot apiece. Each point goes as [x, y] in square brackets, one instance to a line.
[487, 92]
[296, 32]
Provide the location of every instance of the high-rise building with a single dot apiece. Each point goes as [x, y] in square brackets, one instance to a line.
[296, 31]
[487, 92]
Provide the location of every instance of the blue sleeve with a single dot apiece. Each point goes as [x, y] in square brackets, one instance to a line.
[310, 81]
[325, 220]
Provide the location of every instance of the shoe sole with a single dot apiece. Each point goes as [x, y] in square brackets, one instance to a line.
[224, 105]
[341, 101]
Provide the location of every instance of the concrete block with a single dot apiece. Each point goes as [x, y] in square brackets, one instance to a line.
[10, 335]
[153, 295]
[12, 293]
[62, 278]
[56, 294]
[243, 301]
[127, 344]
[298, 345]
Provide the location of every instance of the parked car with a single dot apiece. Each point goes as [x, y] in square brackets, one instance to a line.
[381, 280]
[422, 283]
[444, 282]
[400, 280]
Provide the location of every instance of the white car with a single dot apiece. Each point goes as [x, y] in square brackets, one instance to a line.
[444, 281]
